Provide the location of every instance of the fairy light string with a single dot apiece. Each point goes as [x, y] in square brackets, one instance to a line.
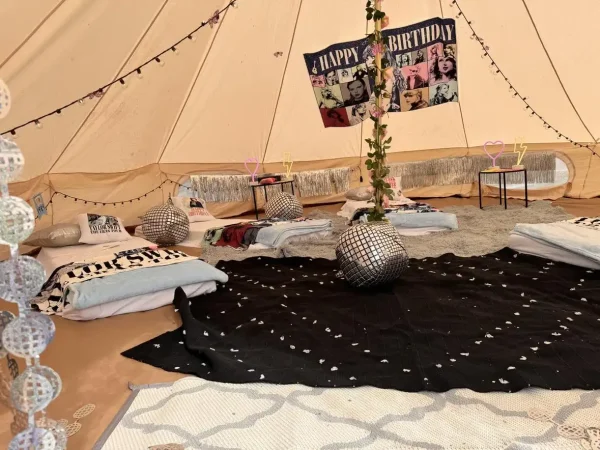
[60, 194]
[99, 92]
[498, 71]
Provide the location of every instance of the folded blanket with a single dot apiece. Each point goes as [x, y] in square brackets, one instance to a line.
[276, 235]
[431, 219]
[580, 236]
[410, 208]
[128, 274]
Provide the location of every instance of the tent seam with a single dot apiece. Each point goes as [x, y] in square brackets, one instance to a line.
[30, 35]
[281, 85]
[556, 73]
[187, 97]
[561, 85]
[89, 114]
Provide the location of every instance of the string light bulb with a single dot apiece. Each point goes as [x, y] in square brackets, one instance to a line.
[98, 93]
[38, 124]
[159, 61]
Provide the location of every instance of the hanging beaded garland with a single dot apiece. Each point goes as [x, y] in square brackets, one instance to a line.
[27, 335]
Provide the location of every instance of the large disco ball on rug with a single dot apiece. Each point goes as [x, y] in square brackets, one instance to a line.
[371, 254]
[166, 224]
[284, 206]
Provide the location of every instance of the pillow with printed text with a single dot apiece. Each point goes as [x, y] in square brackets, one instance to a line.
[195, 208]
[97, 229]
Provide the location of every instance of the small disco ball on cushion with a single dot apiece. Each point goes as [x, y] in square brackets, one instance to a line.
[165, 224]
[371, 253]
[284, 206]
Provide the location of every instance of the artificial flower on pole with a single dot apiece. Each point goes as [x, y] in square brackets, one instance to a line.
[383, 74]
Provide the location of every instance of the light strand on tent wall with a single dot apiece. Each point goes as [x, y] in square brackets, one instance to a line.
[494, 66]
[123, 202]
[122, 79]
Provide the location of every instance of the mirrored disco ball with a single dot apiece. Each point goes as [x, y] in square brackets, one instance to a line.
[28, 336]
[31, 392]
[29, 276]
[371, 253]
[33, 438]
[166, 224]
[5, 318]
[16, 220]
[57, 429]
[284, 206]
[11, 160]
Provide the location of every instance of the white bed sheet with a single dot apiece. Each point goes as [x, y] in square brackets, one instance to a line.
[531, 246]
[197, 230]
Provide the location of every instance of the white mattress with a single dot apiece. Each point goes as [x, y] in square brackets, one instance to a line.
[351, 206]
[52, 258]
[197, 230]
[531, 246]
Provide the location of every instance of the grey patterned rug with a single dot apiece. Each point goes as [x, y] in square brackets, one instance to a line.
[193, 413]
[480, 232]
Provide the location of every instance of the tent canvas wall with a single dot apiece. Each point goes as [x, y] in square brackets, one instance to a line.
[226, 96]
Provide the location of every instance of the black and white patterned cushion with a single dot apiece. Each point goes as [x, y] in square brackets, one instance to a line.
[165, 224]
[592, 223]
[284, 206]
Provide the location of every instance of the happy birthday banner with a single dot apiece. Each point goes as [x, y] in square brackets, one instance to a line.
[424, 61]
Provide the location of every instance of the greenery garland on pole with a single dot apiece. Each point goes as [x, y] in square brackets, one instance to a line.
[378, 145]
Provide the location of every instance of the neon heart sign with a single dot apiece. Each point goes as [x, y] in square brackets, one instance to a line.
[252, 173]
[493, 157]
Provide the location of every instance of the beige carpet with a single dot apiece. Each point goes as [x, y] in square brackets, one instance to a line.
[87, 355]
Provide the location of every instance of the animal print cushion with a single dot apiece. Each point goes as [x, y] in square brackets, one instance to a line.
[96, 229]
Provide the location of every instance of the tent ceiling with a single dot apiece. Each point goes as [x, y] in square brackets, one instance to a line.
[226, 97]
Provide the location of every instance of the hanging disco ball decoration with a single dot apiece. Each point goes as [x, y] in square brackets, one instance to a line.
[28, 334]
[371, 254]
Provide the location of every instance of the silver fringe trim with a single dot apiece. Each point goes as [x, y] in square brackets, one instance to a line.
[316, 183]
[235, 188]
[541, 168]
[222, 188]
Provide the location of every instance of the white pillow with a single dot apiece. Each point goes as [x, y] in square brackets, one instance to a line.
[194, 208]
[96, 229]
[362, 193]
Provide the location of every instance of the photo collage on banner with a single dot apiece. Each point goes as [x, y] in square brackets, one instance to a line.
[424, 58]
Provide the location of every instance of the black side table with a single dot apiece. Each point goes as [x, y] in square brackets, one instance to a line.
[255, 185]
[502, 179]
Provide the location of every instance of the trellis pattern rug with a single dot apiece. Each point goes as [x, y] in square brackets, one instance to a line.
[500, 322]
[197, 414]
